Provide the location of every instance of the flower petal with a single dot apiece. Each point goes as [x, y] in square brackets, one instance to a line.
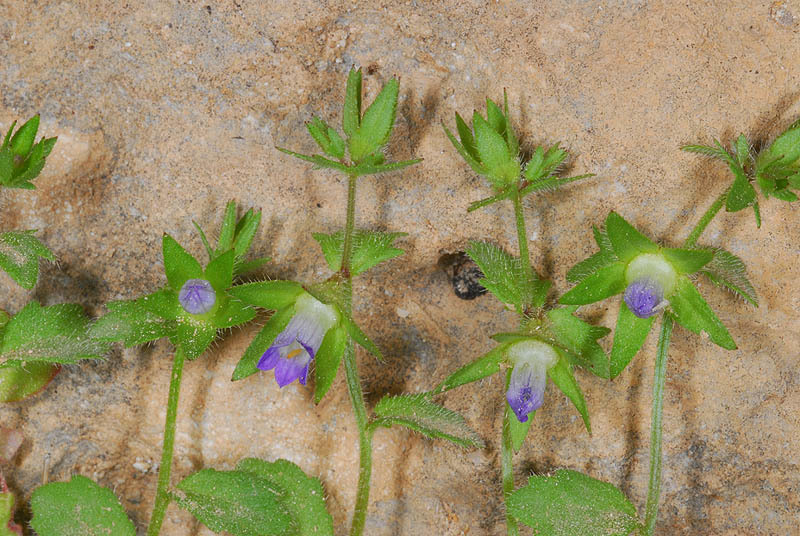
[526, 389]
[289, 370]
[644, 297]
[269, 359]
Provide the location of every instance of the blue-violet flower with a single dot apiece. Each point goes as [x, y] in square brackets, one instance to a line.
[294, 348]
[531, 359]
[197, 296]
[651, 278]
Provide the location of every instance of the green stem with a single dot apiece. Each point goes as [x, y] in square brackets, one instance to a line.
[691, 241]
[351, 373]
[522, 238]
[654, 487]
[162, 496]
[507, 456]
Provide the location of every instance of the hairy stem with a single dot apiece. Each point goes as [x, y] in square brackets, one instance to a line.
[162, 496]
[654, 487]
[351, 373]
[522, 238]
[691, 241]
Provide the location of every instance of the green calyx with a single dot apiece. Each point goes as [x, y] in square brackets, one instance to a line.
[654, 267]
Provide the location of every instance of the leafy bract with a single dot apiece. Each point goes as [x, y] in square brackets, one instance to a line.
[21, 380]
[326, 137]
[629, 336]
[179, 265]
[420, 414]
[482, 367]
[78, 508]
[687, 261]
[19, 256]
[54, 334]
[21, 160]
[272, 295]
[570, 503]
[727, 270]
[606, 281]
[139, 321]
[262, 341]
[626, 240]
[505, 277]
[327, 360]
[693, 313]
[591, 264]
[258, 498]
[562, 376]
[579, 340]
[369, 249]
[376, 123]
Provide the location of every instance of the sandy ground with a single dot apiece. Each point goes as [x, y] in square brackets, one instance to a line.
[166, 111]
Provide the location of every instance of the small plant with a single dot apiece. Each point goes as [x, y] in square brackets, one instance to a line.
[550, 340]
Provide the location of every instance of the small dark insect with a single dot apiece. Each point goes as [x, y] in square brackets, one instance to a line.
[464, 275]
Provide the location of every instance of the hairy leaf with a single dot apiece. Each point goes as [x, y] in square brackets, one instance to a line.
[418, 413]
[728, 271]
[19, 256]
[370, 248]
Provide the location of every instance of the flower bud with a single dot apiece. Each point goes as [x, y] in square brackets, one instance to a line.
[651, 278]
[531, 359]
[197, 296]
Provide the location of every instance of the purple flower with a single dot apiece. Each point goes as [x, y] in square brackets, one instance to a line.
[197, 296]
[645, 297]
[294, 348]
[531, 359]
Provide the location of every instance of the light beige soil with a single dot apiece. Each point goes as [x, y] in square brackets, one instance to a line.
[167, 109]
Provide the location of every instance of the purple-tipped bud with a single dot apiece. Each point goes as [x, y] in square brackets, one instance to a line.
[644, 297]
[197, 296]
[531, 360]
[294, 348]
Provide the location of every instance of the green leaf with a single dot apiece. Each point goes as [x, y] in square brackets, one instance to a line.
[786, 148]
[501, 168]
[351, 117]
[551, 184]
[179, 265]
[504, 194]
[467, 138]
[54, 334]
[626, 240]
[504, 276]
[728, 271]
[326, 137]
[543, 164]
[629, 336]
[18, 381]
[468, 154]
[272, 295]
[562, 376]
[607, 281]
[482, 367]
[246, 229]
[19, 256]
[592, 264]
[304, 498]
[369, 249]
[327, 360]
[228, 229]
[135, 322]
[742, 193]
[376, 124]
[714, 152]
[418, 413]
[239, 502]
[573, 504]
[320, 162]
[194, 338]
[511, 137]
[580, 339]
[232, 312]
[687, 261]
[742, 150]
[495, 117]
[78, 508]
[693, 313]
[360, 337]
[204, 239]
[219, 271]
[22, 141]
[262, 341]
